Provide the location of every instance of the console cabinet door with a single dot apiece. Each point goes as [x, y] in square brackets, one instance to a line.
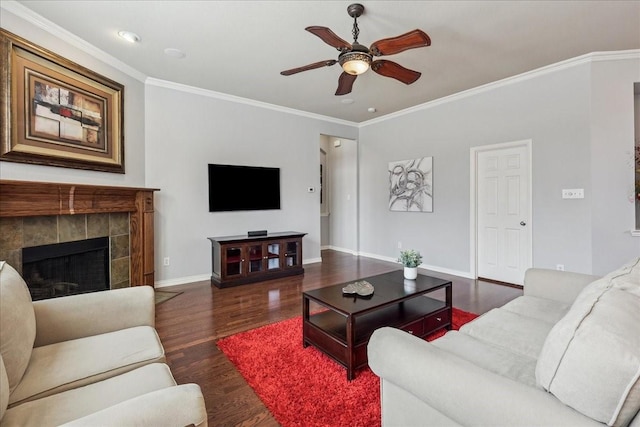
[263, 256]
[292, 253]
[233, 261]
[272, 255]
[255, 258]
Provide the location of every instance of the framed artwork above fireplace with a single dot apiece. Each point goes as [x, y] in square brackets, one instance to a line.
[57, 113]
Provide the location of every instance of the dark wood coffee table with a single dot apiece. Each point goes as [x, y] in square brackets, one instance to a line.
[343, 329]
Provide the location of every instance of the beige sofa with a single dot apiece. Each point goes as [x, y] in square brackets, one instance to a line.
[566, 353]
[87, 360]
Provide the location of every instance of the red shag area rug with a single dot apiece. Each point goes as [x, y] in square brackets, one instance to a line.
[303, 387]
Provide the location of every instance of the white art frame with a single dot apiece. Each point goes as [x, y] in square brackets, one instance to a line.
[411, 185]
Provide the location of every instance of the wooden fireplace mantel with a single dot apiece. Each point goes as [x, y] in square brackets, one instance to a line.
[31, 198]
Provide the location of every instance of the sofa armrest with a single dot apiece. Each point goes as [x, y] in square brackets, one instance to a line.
[181, 405]
[460, 390]
[78, 316]
[562, 286]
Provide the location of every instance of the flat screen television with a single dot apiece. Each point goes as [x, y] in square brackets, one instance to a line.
[243, 188]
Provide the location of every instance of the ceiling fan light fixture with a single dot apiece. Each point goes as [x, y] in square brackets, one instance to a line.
[355, 63]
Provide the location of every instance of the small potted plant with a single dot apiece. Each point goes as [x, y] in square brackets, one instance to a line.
[411, 259]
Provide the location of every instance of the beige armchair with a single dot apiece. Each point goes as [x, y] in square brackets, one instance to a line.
[90, 359]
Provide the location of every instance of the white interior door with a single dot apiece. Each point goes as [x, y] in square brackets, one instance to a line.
[503, 213]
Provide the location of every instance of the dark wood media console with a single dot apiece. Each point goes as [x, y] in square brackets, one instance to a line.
[238, 260]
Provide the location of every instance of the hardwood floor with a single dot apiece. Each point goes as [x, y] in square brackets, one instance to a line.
[190, 324]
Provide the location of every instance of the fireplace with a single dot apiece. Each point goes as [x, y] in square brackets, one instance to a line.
[67, 268]
[39, 213]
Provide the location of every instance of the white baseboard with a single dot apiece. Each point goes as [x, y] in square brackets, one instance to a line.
[465, 274]
[182, 280]
[339, 249]
[311, 261]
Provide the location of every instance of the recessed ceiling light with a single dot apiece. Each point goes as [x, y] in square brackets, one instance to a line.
[371, 110]
[174, 53]
[129, 36]
[347, 101]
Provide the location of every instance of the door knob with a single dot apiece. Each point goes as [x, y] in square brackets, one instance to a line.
[522, 223]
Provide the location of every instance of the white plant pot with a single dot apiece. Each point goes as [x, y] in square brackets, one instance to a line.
[410, 273]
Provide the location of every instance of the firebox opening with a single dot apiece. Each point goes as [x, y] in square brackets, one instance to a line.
[68, 268]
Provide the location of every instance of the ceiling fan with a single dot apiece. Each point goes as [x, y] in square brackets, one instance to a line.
[356, 59]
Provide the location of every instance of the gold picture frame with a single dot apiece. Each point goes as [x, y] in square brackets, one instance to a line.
[57, 113]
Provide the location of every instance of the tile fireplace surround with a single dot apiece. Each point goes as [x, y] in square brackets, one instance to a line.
[39, 213]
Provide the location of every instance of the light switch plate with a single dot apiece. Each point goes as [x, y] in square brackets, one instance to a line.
[573, 193]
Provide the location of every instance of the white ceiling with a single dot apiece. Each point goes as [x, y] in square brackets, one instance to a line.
[240, 47]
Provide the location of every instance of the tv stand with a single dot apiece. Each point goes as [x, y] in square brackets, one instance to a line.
[238, 260]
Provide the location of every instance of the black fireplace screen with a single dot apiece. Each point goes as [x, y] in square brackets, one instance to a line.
[66, 268]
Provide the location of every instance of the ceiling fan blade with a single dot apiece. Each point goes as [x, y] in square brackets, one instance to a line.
[395, 71]
[313, 66]
[345, 83]
[393, 45]
[329, 37]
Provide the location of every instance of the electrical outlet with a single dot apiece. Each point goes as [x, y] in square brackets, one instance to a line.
[166, 261]
[399, 245]
[560, 267]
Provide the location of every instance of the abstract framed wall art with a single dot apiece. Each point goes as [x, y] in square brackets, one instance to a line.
[57, 113]
[411, 185]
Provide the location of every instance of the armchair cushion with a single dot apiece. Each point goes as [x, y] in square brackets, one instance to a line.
[17, 324]
[64, 319]
[77, 403]
[575, 362]
[69, 364]
[182, 405]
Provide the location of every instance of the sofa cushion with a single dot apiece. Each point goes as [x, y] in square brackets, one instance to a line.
[506, 329]
[490, 357]
[591, 358]
[82, 401]
[70, 364]
[543, 309]
[17, 324]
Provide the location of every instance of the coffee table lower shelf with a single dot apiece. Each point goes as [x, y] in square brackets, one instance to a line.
[328, 330]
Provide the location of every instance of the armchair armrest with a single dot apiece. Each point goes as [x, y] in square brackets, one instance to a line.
[556, 285]
[460, 390]
[78, 316]
[181, 405]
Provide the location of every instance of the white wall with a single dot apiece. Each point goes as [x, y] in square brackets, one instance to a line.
[134, 106]
[186, 130]
[612, 143]
[343, 193]
[554, 108]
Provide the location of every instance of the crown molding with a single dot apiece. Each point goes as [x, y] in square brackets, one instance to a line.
[588, 58]
[237, 99]
[57, 31]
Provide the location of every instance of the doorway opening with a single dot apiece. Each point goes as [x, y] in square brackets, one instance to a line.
[338, 194]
